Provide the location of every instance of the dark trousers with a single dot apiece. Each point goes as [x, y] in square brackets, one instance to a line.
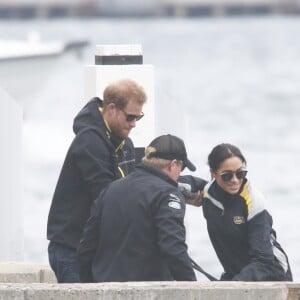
[64, 263]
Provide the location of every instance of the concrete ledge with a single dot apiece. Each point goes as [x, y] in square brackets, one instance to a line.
[19, 272]
[30, 281]
[152, 291]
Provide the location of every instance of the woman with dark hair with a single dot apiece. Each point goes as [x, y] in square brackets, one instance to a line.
[239, 226]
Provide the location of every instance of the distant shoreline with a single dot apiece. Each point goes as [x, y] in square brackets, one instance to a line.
[170, 8]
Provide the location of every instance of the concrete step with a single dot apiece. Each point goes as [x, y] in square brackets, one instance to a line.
[22, 272]
[152, 291]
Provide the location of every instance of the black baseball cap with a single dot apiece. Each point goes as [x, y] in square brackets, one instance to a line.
[171, 147]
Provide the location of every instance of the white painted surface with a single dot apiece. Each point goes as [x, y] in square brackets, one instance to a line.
[11, 188]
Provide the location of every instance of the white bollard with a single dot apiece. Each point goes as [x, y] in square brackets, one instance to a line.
[114, 62]
[11, 206]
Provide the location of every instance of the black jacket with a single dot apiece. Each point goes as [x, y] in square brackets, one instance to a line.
[136, 232]
[240, 229]
[94, 159]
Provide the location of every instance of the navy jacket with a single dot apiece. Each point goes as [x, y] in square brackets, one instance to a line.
[94, 159]
[136, 232]
[240, 229]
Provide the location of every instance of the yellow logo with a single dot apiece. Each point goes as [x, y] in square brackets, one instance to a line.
[238, 220]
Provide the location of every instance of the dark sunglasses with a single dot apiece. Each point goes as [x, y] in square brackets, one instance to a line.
[130, 117]
[227, 176]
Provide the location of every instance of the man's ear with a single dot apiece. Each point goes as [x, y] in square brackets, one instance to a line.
[173, 163]
[110, 107]
[109, 111]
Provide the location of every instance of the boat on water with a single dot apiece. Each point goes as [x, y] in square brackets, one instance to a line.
[26, 64]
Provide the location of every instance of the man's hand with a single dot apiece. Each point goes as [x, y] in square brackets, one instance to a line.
[193, 198]
[192, 189]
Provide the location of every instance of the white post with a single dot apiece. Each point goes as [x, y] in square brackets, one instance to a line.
[114, 62]
[11, 208]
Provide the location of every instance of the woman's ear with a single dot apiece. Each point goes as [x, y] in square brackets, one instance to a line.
[212, 174]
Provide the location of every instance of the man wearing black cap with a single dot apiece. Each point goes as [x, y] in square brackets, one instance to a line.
[136, 231]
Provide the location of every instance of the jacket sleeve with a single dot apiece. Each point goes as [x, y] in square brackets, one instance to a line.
[94, 161]
[191, 184]
[261, 266]
[89, 243]
[168, 215]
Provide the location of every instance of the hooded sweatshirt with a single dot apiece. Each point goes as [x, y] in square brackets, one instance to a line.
[95, 158]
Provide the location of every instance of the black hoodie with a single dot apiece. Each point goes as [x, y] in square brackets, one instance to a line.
[94, 159]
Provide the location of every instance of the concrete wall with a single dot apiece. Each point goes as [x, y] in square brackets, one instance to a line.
[28, 281]
[151, 291]
[21, 272]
